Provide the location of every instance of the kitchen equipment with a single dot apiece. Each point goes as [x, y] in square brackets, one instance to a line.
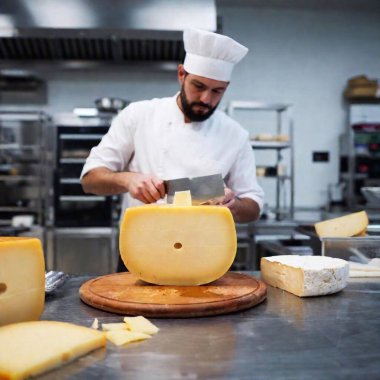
[72, 207]
[54, 280]
[202, 189]
[123, 293]
[108, 104]
[372, 195]
[359, 249]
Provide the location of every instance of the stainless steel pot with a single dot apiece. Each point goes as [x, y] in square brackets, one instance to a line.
[108, 104]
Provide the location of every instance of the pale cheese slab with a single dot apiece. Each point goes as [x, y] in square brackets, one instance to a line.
[182, 198]
[32, 348]
[114, 326]
[305, 276]
[121, 337]
[141, 324]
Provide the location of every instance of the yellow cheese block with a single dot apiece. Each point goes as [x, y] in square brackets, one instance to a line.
[31, 348]
[22, 279]
[182, 198]
[344, 226]
[121, 337]
[141, 324]
[114, 326]
[170, 245]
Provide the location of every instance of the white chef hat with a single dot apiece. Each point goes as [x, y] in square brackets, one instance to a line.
[211, 55]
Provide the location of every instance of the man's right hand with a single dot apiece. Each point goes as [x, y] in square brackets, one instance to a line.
[146, 188]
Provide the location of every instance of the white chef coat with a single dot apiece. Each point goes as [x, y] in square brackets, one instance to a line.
[152, 137]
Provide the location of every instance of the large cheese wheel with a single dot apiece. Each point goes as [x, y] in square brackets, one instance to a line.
[22, 279]
[178, 245]
[343, 226]
[31, 348]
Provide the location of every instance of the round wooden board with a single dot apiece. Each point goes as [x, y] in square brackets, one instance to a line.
[123, 293]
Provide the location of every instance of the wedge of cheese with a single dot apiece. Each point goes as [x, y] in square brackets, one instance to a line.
[114, 326]
[344, 226]
[178, 245]
[31, 348]
[141, 324]
[182, 198]
[22, 279]
[121, 337]
[305, 276]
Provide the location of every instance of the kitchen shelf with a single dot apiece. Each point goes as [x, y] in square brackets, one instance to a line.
[72, 160]
[355, 150]
[69, 181]
[18, 178]
[76, 137]
[281, 111]
[18, 147]
[23, 153]
[81, 198]
[17, 209]
[270, 145]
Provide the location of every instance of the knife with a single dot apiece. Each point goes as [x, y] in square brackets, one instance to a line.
[202, 188]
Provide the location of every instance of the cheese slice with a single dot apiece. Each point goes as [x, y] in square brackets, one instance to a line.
[141, 324]
[31, 348]
[305, 275]
[344, 226]
[182, 198]
[114, 326]
[121, 337]
[170, 245]
[22, 279]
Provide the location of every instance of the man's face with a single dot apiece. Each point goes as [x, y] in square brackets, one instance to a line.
[199, 96]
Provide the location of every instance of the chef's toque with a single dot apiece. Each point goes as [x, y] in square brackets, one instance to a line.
[211, 55]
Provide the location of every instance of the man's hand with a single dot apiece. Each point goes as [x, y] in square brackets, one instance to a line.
[242, 209]
[146, 188]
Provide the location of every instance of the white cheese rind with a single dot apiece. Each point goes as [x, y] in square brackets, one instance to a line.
[305, 276]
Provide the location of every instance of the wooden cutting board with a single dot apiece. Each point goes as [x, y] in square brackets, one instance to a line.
[123, 293]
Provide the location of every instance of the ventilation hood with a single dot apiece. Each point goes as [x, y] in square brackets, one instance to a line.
[99, 31]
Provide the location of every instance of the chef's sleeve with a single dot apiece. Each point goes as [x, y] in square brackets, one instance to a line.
[242, 176]
[116, 147]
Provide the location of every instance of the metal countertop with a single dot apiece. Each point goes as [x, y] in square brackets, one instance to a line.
[286, 337]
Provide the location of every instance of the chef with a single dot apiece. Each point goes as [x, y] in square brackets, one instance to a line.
[181, 136]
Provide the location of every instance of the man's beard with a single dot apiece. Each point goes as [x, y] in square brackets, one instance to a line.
[187, 108]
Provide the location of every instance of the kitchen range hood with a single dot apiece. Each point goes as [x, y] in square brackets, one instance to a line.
[117, 31]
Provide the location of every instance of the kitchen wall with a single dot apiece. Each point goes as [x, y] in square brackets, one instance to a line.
[303, 57]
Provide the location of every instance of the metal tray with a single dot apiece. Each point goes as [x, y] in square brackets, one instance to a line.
[357, 249]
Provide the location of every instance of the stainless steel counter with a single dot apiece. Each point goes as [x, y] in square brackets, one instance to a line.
[286, 337]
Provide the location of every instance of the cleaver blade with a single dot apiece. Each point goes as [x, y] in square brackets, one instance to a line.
[202, 188]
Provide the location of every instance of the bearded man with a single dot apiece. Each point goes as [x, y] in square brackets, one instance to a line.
[182, 136]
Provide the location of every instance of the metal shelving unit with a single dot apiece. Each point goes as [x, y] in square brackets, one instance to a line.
[280, 209]
[23, 165]
[360, 152]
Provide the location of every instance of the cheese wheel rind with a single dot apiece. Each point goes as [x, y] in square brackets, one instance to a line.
[343, 226]
[22, 279]
[31, 348]
[305, 276]
[168, 245]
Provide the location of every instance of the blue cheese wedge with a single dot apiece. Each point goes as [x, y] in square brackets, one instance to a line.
[305, 276]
